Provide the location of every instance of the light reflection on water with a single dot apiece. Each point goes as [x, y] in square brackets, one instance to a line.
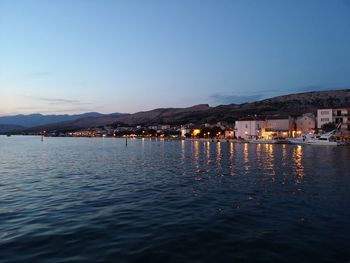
[269, 161]
[183, 154]
[246, 158]
[196, 156]
[208, 151]
[218, 151]
[297, 157]
[263, 157]
[284, 152]
[232, 150]
[219, 170]
[95, 200]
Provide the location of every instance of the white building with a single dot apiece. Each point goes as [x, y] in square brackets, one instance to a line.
[163, 127]
[248, 127]
[340, 115]
[305, 123]
[185, 131]
[271, 127]
[279, 126]
[324, 116]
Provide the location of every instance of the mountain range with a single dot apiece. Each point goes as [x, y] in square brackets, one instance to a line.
[4, 128]
[23, 122]
[293, 104]
[40, 119]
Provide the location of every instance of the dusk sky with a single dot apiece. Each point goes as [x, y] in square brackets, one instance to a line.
[126, 56]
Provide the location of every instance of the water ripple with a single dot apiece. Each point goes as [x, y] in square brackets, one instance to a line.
[79, 200]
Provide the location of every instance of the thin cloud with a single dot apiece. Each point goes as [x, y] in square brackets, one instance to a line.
[234, 99]
[76, 110]
[38, 110]
[71, 109]
[57, 101]
[41, 74]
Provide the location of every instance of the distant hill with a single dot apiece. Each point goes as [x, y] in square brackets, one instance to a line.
[8, 127]
[40, 119]
[163, 115]
[293, 104]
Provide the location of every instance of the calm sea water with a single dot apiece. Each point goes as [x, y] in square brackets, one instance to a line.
[96, 200]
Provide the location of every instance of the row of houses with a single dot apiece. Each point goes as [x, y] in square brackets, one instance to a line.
[244, 128]
[292, 127]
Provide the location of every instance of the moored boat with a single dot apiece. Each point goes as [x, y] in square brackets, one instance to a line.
[318, 139]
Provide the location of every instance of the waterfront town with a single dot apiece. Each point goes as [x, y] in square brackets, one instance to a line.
[265, 128]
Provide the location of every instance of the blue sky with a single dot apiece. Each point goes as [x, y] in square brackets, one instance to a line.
[71, 56]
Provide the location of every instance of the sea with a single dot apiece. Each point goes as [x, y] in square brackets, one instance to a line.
[147, 200]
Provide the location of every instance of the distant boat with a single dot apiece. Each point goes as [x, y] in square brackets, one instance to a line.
[8, 135]
[319, 139]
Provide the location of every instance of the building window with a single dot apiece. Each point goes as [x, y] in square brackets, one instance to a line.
[324, 119]
[324, 112]
[246, 126]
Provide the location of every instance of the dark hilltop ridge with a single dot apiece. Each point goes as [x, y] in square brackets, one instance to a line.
[21, 122]
[293, 105]
[37, 119]
[4, 128]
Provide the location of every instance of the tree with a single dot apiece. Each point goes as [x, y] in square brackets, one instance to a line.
[328, 126]
[210, 132]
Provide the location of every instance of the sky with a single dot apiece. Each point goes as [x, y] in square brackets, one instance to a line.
[71, 56]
